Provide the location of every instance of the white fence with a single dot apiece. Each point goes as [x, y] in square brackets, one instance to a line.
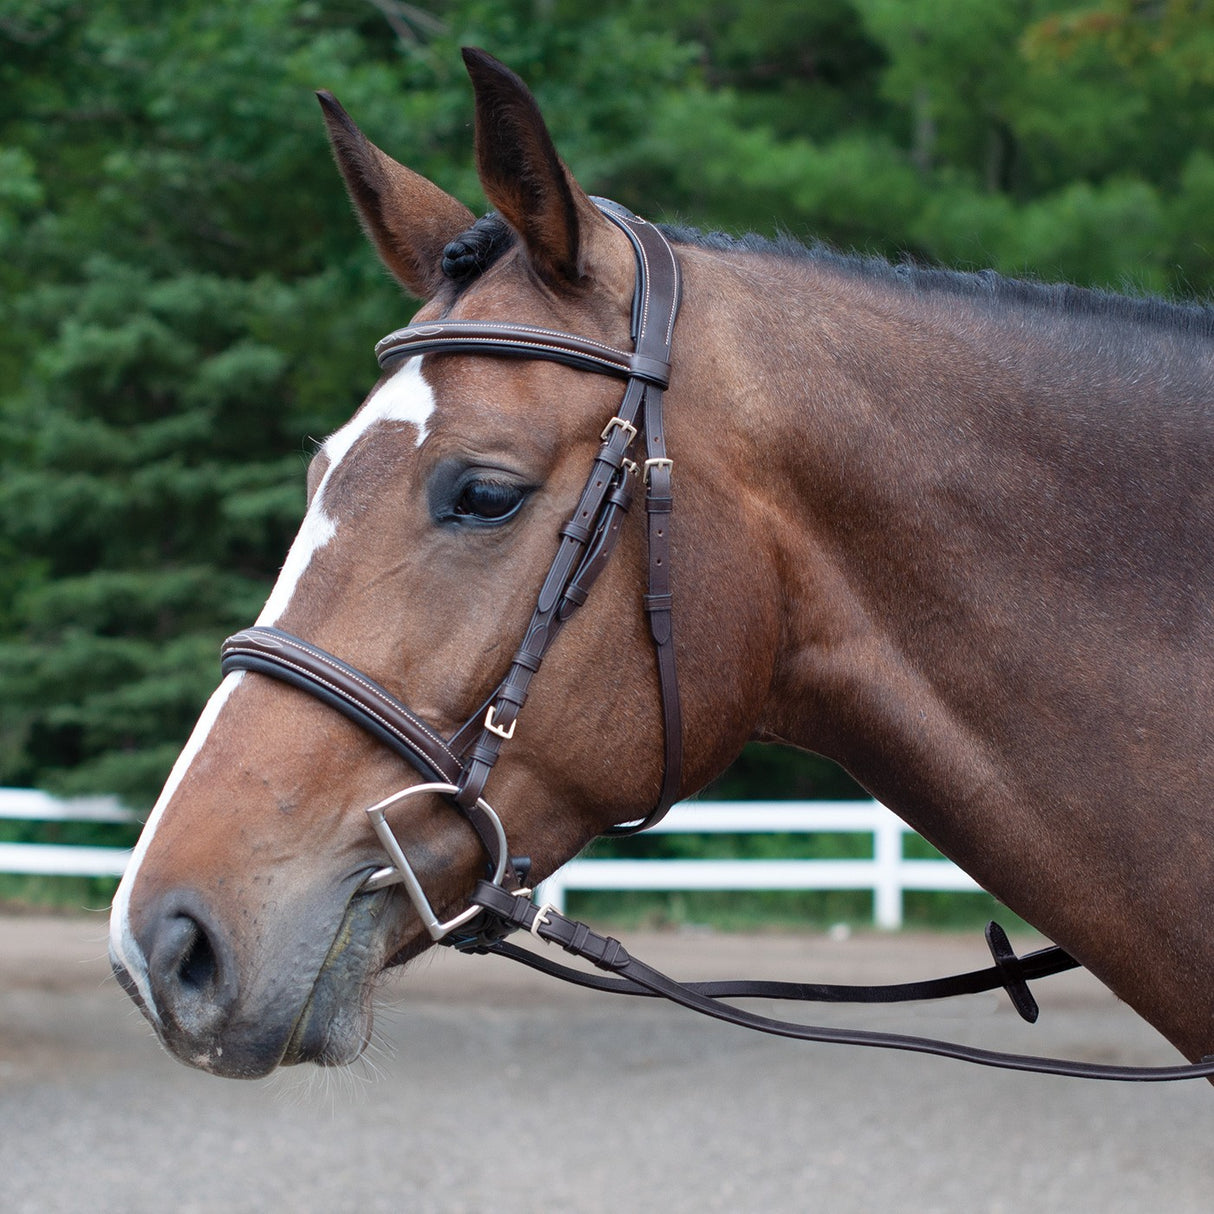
[887, 874]
[61, 859]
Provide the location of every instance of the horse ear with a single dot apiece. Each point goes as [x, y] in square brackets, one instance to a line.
[409, 219]
[525, 179]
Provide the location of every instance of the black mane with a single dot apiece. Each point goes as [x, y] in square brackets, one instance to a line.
[985, 285]
[473, 252]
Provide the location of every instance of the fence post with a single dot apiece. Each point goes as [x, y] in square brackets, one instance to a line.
[551, 892]
[887, 881]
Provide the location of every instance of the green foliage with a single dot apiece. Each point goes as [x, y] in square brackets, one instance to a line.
[186, 302]
[166, 235]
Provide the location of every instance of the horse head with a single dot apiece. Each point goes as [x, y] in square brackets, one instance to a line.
[245, 927]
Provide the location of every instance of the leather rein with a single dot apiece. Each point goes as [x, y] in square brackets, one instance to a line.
[458, 767]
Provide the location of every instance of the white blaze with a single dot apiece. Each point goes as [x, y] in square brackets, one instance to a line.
[123, 946]
[405, 397]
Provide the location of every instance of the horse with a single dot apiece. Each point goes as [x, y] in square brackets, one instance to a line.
[948, 529]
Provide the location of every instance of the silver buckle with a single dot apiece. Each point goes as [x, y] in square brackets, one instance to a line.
[505, 732]
[623, 425]
[400, 871]
[650, 464]
[541, 920]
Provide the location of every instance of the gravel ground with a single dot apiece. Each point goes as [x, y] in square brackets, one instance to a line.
[489, 1088]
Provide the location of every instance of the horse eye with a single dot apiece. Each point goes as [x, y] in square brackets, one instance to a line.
[489, 501]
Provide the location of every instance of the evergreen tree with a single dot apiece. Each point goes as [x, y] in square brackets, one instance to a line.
[176, 259]
[186, 302]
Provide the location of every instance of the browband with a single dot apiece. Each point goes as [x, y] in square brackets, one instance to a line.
[521, 341]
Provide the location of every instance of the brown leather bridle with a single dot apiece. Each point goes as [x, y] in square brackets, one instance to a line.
[457, 767]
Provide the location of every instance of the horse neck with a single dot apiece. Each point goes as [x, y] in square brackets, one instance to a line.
[954, 475]
[970, 502]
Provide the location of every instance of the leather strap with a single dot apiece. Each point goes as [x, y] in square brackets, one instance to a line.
[653, 333]
[285, 657]
[1039, 964]
[632, 976]
[522, 341]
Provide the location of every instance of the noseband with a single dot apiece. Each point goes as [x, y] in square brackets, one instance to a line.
[458, 767]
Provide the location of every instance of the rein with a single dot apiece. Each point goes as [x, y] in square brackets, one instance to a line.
[458, 767]
[634, 977]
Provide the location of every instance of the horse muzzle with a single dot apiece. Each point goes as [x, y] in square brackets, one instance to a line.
[241, 1016]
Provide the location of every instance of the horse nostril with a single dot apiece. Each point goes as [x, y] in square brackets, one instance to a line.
[188, 972]
[199, 966]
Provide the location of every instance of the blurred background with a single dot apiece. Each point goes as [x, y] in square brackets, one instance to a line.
[186, 302]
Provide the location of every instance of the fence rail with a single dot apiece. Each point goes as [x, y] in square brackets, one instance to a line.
[61, 859]
[888, 874]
